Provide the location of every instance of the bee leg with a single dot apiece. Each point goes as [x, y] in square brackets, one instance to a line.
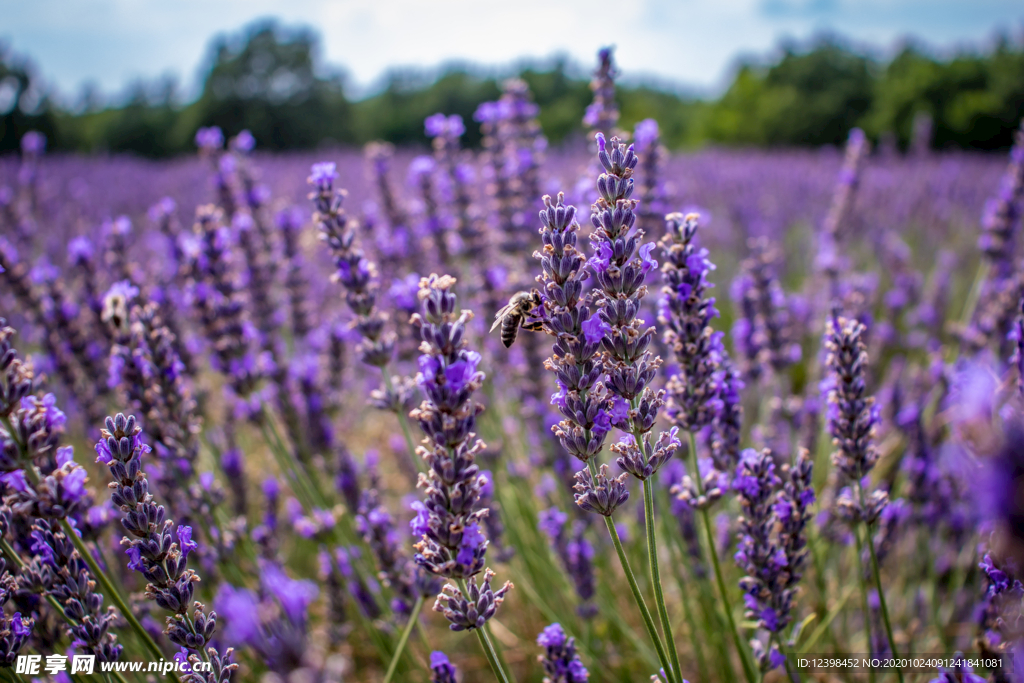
[534, 326]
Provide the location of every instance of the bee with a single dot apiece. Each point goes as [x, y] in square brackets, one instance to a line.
[514, 314]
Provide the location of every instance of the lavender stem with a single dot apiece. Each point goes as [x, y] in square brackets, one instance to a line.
[864, 588]
[404, 638]
[485, 642]
[676, 564]
[748, 668]
[659, 595]
[878, 585]
[652, 630]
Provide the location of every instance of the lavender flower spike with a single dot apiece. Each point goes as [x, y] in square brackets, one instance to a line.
[152, 548]
[560, 660]
[852, 414]
[772, 546]
[449, 522]
[442, 670]
[687, 313]
[578, 333]
[355, 272]
[620, 266]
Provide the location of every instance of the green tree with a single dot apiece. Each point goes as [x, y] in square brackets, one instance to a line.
[270, 82]
[24, 105]
[974, 100]
[810, 97]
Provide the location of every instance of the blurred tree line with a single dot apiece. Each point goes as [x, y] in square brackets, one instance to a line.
[270, 80]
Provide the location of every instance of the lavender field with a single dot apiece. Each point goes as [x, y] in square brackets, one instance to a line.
[745, 411]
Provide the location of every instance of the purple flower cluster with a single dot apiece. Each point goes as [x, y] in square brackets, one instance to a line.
[41, 486]
[772, 542]
[653, 192]
[449, 521]
[686, 314]
[14, 629]
[441, 670]
[575, 553]
[999, 223]
[588, 411]
[513, 149]
[220, 303]
[354, 271]
[603, 113]
[160, 556]
[560, 660]
[620, 266]
[766, 328]
[852, 414]
[272, 621]
[377, 527]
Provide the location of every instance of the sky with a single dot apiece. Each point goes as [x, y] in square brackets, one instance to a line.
[693, 44]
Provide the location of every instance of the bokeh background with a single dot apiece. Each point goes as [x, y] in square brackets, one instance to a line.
[141, 77]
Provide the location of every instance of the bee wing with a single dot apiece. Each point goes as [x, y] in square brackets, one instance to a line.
[500, 315]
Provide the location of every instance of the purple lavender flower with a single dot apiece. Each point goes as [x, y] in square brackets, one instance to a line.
[161, 560]
[452, 544]
[766, 327]
[575, 553]
[686, 315]
[623, 263]
[377, 527]
[653, 191]
[603, 113]
[772, 559]
[560, 660]
[209, 139]
[356, 274]
[852, 414]
[33, 143]
[441, 670]
[1002, 212]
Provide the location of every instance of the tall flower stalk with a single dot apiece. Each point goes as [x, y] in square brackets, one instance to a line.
[358, 275]
[450, 519]
[589, 409]
[697, 389]
[161, 557]
[620, 265]
[853, 416]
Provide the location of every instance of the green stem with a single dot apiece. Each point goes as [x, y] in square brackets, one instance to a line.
[485, 642]
[864, 596]
[659, 594]
[748, 667]
[826, 622]
[878, 583]
[409, 626]
[791, 670]
[296, 466]
[881, 598]
[652, 630]
[974, 294]
[676, 563]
